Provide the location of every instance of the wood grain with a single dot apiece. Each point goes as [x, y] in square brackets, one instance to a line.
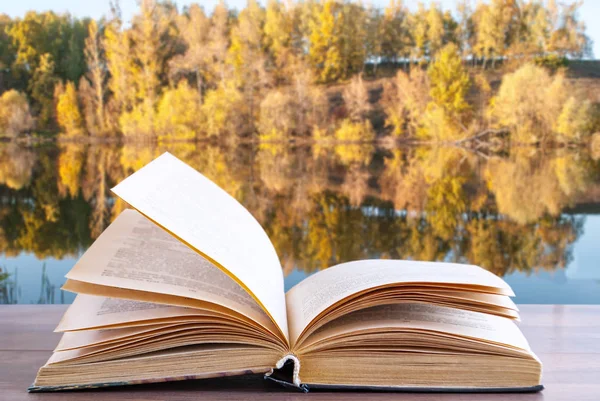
[565, 337]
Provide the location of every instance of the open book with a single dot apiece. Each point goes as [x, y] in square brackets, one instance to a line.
[189, 286]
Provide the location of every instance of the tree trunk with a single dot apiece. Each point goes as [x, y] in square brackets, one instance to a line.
[200, 84]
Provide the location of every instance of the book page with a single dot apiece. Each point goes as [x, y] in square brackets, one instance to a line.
[210, 221]
[134, 253]
[441, 319]
[89, 311]
[316, 293]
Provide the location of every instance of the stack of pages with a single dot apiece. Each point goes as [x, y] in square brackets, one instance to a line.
[189, 286]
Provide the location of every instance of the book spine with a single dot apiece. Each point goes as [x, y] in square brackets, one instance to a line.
[287, 370]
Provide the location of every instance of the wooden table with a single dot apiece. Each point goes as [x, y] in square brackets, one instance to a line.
[566, 338]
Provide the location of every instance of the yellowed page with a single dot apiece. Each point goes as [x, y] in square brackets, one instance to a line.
[213, 223]
[134, 253]
[474, 325]
[88, 311]
[313, 295]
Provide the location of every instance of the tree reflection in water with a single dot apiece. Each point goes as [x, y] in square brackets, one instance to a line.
[320, 205]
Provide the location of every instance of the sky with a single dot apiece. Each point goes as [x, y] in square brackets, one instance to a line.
[97, 8]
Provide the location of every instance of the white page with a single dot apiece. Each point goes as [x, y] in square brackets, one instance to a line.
[209, 220]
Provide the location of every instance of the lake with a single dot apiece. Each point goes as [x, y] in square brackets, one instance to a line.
[528, 215]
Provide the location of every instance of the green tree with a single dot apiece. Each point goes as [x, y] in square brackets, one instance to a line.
[41, 87]
[7, 56]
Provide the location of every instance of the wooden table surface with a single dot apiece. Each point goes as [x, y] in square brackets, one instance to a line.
[565, 337]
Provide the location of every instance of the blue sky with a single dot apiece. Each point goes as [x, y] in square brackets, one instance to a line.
[589, 12]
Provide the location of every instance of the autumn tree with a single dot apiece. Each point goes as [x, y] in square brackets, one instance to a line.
[15, 115]
[219, 40]
[178, 113]
[247, 58]
[352, 33]
[324, 51]
[68, 114]
[278, 41]
[568, 35]
[534, 105]
[356, 99]
[419, 31]
[194, 27]
[151, 37]
[92, 88]
[449, 82]
[405, 100]
[465, 28]
[220, 111]
[435, 29]
[489, 31]
[117, 47]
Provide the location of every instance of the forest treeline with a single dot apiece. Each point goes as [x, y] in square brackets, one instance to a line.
[265, 71]
[322, 204]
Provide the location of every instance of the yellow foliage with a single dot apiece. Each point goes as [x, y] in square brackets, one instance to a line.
[16, 166]
[70, 162]
[15, 116]
[277, 116]
[527, 188]
[138, 122]
[68, 114]
[445, 205]
[534, 104]
[135, 156]
[595, 146]
[574, 120]
[355, 132]
[437, 125]
[321, 134]
[405, 100]
[356, 99]
[274, 162]
[449, 82]
[178, 113]
[324, 51]
[221, 110]
[354, 153]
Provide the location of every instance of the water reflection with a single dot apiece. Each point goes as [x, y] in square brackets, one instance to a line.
[320, 205]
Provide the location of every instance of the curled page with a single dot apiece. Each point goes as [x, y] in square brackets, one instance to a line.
[210, 221]
[315, 294]
[135, 254]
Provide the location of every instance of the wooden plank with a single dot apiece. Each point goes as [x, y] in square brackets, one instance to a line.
[566, 338]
